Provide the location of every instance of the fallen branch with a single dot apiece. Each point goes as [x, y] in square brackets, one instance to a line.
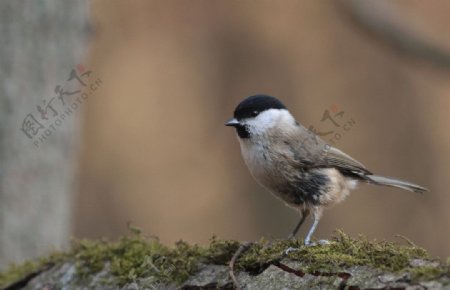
[383, 20]
[242, 248]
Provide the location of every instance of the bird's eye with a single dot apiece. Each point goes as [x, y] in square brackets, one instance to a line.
[255, 113]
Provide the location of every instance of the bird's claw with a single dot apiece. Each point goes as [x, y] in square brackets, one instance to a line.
[290, 250]
[319, 243]
[307, 244]
[324, 242]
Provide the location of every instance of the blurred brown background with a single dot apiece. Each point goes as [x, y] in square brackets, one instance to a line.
[155, 151]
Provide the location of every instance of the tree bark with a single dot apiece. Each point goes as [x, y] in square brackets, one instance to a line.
[286, 274]
[42, 42]
[137, 262]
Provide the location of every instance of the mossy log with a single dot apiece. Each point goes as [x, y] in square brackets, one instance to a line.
[139, 263]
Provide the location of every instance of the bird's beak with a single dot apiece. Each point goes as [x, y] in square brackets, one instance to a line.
[232, 122]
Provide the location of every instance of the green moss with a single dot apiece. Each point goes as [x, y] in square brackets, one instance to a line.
[134, 257]
[429, 273]
[17, 272]
[345, 251]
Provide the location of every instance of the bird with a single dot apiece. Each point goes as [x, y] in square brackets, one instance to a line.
[296, 165]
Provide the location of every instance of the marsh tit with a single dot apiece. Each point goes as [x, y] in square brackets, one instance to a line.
[296, 165]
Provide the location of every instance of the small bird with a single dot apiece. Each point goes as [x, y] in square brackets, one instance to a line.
[296, 165]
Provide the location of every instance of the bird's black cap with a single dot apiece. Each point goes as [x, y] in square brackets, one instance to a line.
[252, 106]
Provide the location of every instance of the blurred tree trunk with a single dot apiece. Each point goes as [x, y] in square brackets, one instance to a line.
[42, 42]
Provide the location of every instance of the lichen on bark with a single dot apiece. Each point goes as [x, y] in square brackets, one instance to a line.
[145, 263]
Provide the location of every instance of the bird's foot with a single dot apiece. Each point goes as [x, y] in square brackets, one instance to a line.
[289, 250]
[319, 243]
[307, 244]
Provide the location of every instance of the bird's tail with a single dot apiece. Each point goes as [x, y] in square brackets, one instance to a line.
[394, 182]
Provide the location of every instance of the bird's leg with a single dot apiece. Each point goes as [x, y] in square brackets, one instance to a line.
[304, 212]
[311, 231]
[303, 215]
[317, 214]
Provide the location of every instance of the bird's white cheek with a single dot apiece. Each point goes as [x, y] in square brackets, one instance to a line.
[264, 121]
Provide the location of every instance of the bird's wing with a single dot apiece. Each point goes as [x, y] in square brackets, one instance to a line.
[312, 151]
[336, 158]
